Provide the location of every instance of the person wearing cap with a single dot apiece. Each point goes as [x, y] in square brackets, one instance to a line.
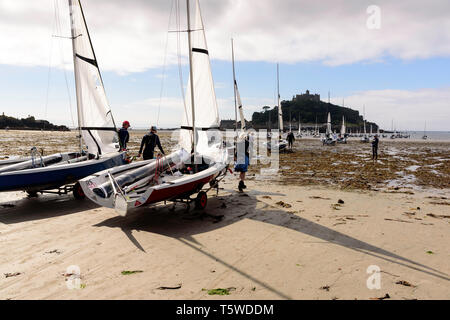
[124, 136]
[149, 143]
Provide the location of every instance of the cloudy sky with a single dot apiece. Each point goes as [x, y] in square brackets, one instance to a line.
[399, 71]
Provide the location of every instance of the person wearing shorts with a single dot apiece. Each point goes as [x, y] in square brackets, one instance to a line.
[242, 159]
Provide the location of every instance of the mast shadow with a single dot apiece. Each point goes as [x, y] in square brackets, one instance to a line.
[184, 227]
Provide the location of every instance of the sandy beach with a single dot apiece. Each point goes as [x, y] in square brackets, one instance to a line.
[271, 242]
[309, 235]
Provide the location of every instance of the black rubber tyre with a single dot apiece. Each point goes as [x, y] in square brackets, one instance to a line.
[32, 194]
[201, 201]
[78, 192]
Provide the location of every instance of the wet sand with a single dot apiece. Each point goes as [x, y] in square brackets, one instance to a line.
[284, 238]
[271, 242]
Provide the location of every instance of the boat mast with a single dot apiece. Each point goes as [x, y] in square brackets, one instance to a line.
[280, 112]
[234, 86]
[75, 67]
[191, 75]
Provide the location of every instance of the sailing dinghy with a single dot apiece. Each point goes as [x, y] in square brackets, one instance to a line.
[329, 139]
[343, 135]
[174, 178]
[98, 133]
[280, 143]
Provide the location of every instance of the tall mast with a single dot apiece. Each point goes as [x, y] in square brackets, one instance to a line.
[75, 67]
[280, 112]
[191, 75]
[234, 85]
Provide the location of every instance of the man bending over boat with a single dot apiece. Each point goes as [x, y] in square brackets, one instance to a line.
[149, 143]
[124, 136]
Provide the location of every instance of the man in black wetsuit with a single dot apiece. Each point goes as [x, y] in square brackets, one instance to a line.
[124, 136]
[375, 148]
[149, 143]
[290, 139]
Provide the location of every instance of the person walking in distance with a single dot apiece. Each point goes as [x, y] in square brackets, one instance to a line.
[290, 139]
[375, 148]
[149, 143]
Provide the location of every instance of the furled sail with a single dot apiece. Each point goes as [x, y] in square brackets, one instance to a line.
[343, 126]
[94, 115]
[280, 111]
[299, 125]
[240, 108]
[205, 104]
[329, 124]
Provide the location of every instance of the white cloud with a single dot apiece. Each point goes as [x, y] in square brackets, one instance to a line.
[130, 37]
[409, 109]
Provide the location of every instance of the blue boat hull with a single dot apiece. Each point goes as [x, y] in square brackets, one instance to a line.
[53, 177]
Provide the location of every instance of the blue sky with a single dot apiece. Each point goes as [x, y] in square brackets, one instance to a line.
[399, 72]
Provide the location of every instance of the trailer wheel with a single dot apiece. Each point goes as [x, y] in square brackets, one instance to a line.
[32, 194]
[78, 192]
[201, 201]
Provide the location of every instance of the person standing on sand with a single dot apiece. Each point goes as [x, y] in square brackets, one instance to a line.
[242, 158]
[290, 139]
[124, 136]
[375, 148]
[149, 143]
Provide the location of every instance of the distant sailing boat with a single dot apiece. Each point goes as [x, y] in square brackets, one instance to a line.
[425, 137]
[365, 138]
[343, 135]
[97, 131]
[329, 138]
[281, 144]
[299, 134]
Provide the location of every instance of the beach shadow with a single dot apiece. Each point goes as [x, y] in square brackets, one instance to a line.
[183, 226]
[42, 207]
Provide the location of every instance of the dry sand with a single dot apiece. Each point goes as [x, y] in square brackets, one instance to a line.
[272, 242]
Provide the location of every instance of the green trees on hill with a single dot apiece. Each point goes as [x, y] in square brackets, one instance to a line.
[309, 112]
[29, 123]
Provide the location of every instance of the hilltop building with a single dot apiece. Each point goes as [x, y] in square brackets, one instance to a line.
[307, 97]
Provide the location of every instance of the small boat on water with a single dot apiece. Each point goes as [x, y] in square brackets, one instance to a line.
[99, 147]
[200, 160]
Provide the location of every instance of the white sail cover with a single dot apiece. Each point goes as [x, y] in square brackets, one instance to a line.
[206, 111]
[299, 125]
[240, 108]
[280, 115]
[329, 124]
[343, 126]
[94, 115]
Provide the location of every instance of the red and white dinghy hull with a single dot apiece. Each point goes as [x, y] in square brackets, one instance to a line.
[176, 189]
